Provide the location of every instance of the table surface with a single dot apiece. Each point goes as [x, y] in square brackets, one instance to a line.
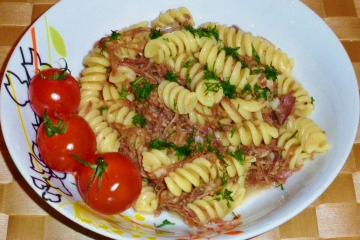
[335, 215]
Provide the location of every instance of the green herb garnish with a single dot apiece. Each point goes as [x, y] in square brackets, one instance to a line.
[139, 121]
[160, 144]
[171, 76]
[123, 94]
[233, 52]
[165, 223]
[312, 100]
[225, 195]
[247, 89]
[271, 73]
[256, 71]
[54, 130]
[189, 63]
[204, 32]
[281, 186]
[229, 89]
[104, 109]
[255, 54]
[183, 151]
[114, 35]
[141, 89]
[261, 93]
[155, 33]
[212, 84]
[239, 156]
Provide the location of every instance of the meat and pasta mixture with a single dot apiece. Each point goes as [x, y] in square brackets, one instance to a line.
[205, 112]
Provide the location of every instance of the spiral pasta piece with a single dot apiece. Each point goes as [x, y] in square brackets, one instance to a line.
[214, 207]
[190, 175]
[239, 109]
[303, 103]
[155, 159]
[176, 97]
[173, 18]
[201, 114]
[252, 132]
[123, 74]
[195, 79]
[172, 44]
[268, 54]
[107, 138]
[110, 93]
[119, 112]
[226, 67]
[313, 140]
[147, 202]
[234, 168]
[292, 149]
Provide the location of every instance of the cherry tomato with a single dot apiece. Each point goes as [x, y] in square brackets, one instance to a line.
[116, 185]
[60, 140]
[55, 91]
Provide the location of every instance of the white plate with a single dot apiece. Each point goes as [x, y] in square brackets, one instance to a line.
[69, 31]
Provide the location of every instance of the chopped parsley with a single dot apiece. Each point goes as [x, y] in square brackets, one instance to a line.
[141, 89]
[155, 33]
[114, 35]
[256, 71]
[271, 73]
[255, 55]
[183, 151]
[171, 76]
[165, 223]
[123, 94]
[212, 84]
[281, 186]
[261, 93]
[139, 120]
[160, 144]
[233, 52]
[103, 109]
[204, 32]
[189, 63]
[229, 89]
[225, 195]
[247, 89]
[239, 156]
[312, 100]
[224, 178]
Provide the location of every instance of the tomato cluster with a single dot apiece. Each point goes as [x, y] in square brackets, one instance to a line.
[108, 182]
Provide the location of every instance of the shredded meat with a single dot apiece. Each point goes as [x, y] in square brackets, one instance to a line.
[279, 116]
[269, 167]
[286, 107]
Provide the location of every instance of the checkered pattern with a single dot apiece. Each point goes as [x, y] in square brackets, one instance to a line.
[335, 215]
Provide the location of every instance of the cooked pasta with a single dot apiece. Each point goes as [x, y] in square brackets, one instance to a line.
[191, 174]
[267, 52]
[173, 18]
[252, 133]
[154, 159]
[147, 202]
[177, 97]
[204, 112]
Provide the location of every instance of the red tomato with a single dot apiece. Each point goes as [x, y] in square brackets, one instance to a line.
[58, 140]
[116, 186]
[54, 91]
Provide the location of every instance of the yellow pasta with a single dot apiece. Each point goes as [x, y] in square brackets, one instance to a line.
[119, 112]
[201, 114]
[173, 18]
[313, 140]
[176, 97]
[303, 103]
[267, 52]
[155, 159]
[183, 179]
[147, 202]
[252, 133]
[240, 109]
